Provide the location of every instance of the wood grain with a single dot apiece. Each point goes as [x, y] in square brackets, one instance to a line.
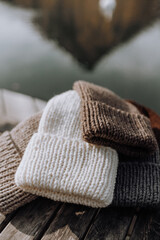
[16, 107]
[147, 226]
[2, 217]
[30, 220]
[71, 223]
[40, 105]
[3, 119]
[4, 220]
[111, 224]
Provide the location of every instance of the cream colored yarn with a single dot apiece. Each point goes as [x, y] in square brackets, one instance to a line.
[59, 165]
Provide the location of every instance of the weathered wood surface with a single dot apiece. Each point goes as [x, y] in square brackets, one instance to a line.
[148, 225]
[30, 221]
[15, 107]
[71, 222]
[48, 220]
[111, 223]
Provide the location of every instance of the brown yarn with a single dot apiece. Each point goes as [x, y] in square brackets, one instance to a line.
[153, 116]
[12, 147]
[109, 120]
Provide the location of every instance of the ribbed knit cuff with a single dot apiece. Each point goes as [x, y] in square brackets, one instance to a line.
[68, 170]
[128, 133]
[137, 185]
[11, 197]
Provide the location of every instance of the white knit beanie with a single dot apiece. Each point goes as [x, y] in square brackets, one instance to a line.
[59, 165]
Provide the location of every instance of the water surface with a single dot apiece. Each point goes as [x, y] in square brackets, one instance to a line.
[46, 45]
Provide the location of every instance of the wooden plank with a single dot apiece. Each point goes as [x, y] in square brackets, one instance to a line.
[15, 107]
[111, 224]
[31, 220]
[18, 106]
[2, 217]
[6, 127]
[40, 104]
[2, 109]
[147, 226]
[71, 223]
[4, 220]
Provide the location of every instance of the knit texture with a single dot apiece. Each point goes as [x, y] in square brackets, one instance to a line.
[138, 180]
[109, 120]
[59, 165]
[12, 147]
[154, 118]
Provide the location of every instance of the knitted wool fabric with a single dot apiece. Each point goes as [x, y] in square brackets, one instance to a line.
[12, 147]
[110, 121]
[58, 165]
[138, 180]
[154, 118]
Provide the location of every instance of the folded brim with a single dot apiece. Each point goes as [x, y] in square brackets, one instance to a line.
[11, 197]
[128, 133]
[68, 170]
[137, 185]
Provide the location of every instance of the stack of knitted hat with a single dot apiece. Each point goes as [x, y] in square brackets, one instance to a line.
[89, 146]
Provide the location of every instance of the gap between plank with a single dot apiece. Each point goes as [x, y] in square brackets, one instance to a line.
[7, 220]
[90, 224]
[46, 226]
[3, 103]
[132, 225]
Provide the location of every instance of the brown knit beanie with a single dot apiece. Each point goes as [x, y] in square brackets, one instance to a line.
[154, 118]
[109, 120]
[12, 147]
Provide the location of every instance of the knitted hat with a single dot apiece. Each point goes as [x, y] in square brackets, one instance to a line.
[138, 179]
[154, 118]
[58, 165]
[110, 121]
[12, 147]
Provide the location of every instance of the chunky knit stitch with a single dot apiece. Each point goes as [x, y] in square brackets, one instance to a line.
[12, 147]
[58, 165]
[138, 179]
[154, 118]
[110, 121]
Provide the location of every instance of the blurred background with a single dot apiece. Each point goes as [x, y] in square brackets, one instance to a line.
[45, 45]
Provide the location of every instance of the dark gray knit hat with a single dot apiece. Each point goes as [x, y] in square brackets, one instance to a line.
[138, 182]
